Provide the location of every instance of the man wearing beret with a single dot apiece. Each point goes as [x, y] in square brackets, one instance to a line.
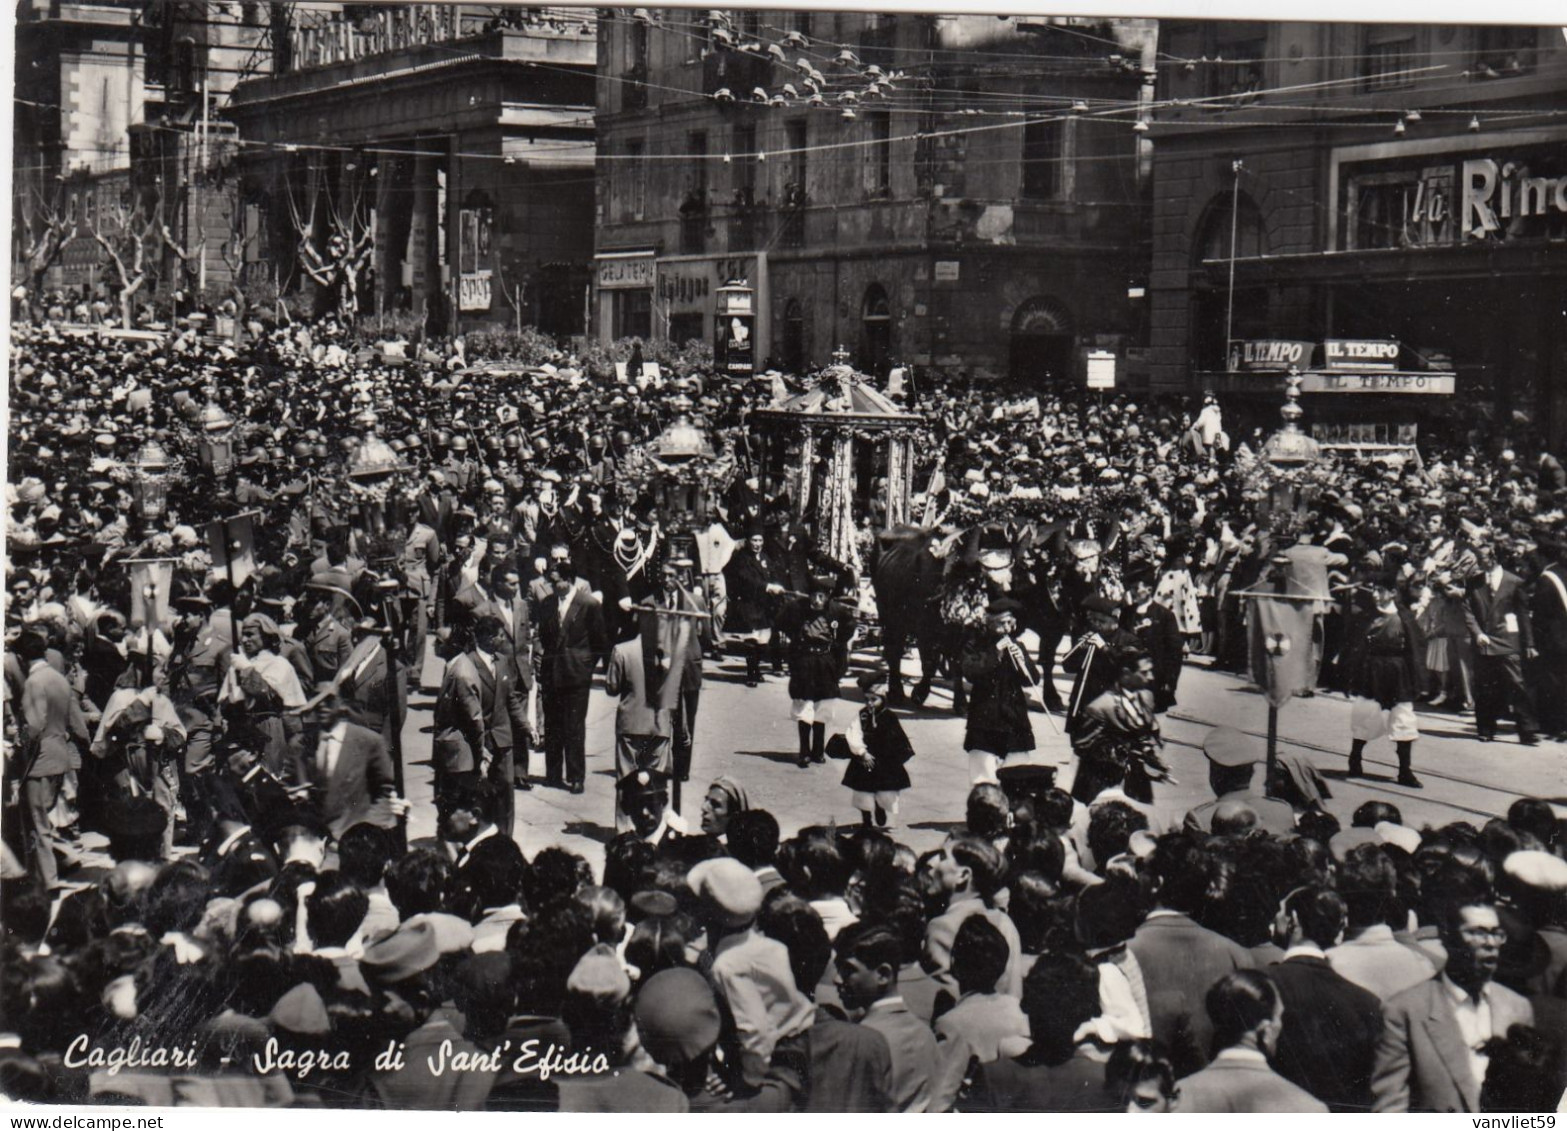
[751, 972]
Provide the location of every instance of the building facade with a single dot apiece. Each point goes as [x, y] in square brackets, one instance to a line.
[433, 160]
[1391, 193]
[911, 188]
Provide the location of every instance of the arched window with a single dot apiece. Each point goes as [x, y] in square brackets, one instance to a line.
[1213, 242]
[876, 320]
[794, 336]
[1043, 342]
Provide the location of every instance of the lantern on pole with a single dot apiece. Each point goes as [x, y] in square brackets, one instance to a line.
[216, 446]
[149, 481]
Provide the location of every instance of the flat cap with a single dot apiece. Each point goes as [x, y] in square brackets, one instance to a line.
[406, 952]
[1536, 869]
[677, 1016]
[600, 976]
[728, 890]
[1226, 746]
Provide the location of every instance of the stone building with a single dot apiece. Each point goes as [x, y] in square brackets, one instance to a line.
[914, 188]
[434, 160]
[1397, 184]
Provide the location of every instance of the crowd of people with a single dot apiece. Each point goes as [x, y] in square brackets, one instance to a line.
[210, 650]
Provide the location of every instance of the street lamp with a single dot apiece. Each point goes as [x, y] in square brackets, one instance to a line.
[149, 483]
[216, 446]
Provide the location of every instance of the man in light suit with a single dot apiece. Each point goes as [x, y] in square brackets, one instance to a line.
[571, 628]
[55, 731]
[505, 601]
[1248, 1016]
[349, 774]
[471, 717]
[1497, 614]
[1429, 1057]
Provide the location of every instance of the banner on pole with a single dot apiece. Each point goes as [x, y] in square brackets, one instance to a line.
[1280, 632]
[232, 544]
[151, 582]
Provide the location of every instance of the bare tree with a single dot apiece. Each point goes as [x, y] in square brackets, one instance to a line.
[46, 229]
[339, 267]
[125, 234]
[234, 251]
[190, 257]
[516, 293]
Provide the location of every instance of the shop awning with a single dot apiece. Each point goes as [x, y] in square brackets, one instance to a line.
[1386, 382]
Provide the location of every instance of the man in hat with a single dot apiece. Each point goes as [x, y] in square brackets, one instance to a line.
[1389, 672]
[819, 633]
[1092, 658]
[327, 640]
[260, 686]
[373, 696]
[751, 972]
[1496, 611]
[1001, 672]
[1156, 629]
[753, 586]
[643, 796]
[1231, 758]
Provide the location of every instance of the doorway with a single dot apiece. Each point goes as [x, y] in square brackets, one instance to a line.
[1043, 343]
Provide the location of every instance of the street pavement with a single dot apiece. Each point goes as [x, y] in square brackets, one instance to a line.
[747, 733]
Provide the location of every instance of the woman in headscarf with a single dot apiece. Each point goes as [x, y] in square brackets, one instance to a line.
[260, 686]
[725, 797]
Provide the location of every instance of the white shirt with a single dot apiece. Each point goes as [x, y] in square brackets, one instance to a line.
[1474, 1023]
[1244, 1055]
[331, 747]
[565, 603]
[1305, 950]
[1494, 578]
[485, 659]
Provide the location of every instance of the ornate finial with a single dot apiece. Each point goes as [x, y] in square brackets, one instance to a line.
[841, 355]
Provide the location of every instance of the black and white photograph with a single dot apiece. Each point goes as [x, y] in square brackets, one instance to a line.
[666, 559]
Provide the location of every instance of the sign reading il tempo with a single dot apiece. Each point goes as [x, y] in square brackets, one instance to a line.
[1440, 384]
[1270, 355]
[1341, 353]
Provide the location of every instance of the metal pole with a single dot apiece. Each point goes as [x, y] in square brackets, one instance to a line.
[1229, 308]
[1273, 749]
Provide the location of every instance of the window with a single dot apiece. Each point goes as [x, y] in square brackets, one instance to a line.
[794, 336]
[1385, 57]
[633, 314]
[1044, 159]
[800, 22]
[687, 327]
[635, 179]
[795, 141]
[1504, 50]
[750, 22]
[633, 80]
[878, 155]
[876, 320]
[745, 165]
[693, 209]
[1237, 68]
[696, 146]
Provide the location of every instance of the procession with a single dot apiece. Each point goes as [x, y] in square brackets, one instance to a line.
[447, 715]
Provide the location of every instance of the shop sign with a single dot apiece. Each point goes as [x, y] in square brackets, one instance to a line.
[1441, 384]
[1423, 200]
[1275, 355]
[1355, 432]
[1341, 353]
[632, 272]
[473, 291]
[1101, 369]
[946, 270]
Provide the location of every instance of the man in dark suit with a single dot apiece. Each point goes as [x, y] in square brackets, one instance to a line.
[571, 628]
[1179, 958]
[369, 696]
[1497, 615]
[1331, 1025]
[1548, 619]
[1154, 625]
[471, 717]
[1429, 1057]
[50, 750]
[350, 774]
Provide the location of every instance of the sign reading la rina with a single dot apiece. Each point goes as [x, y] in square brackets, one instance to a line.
[1484, 196]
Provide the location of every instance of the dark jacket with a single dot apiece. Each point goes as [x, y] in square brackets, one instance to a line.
[1331, 1027]
[1161, 638]
[998, 720]
[888, 747]
[1486, 614]
[573, 650]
